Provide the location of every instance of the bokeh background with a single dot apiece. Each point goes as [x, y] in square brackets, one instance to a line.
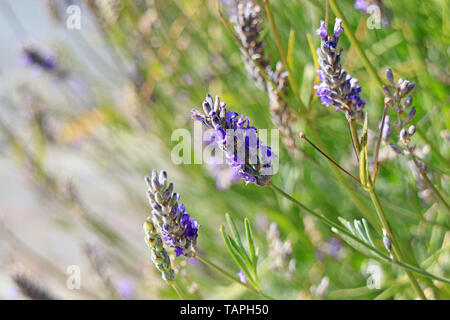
[76, 144]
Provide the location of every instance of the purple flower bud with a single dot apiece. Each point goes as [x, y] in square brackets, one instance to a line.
[338, 29]
[322, 30]
[390, 76]
[396, 149]
[411, 114]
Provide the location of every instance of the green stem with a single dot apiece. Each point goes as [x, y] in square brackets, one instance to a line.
[229, 276]
[377, 150]
[176, 289]
[344, 182]
[395, 245]
[355, 43]
[353, 237]
[291, 77]
[354, 135]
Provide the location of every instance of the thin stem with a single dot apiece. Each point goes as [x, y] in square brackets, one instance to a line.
[327, 13]
[292, 80]
[303, 136]
[229, 276]
[395, 245]
[354, 42]
[386, 258]
[344, 182]
[177, 289]
[380, 135]
[354, 135]
[430, 184]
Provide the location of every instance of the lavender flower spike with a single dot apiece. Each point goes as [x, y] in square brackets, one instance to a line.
[337, 88]
[238, 140]
[159, 255]
[169, 216]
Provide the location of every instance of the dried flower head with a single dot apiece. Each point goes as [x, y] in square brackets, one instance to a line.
[336, 88]
[238, 140]
[248, 25]
[175, 226]
[282, 116]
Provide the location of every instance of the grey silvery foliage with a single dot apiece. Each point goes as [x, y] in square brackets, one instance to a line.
[238, 141]
[248, 25]
[174, 225]
[337, 88]
[159, 254]
[280, 252]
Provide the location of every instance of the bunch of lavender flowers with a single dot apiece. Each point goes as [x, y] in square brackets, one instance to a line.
[238, 141]
[248, 25]
[337, 88]
[174, 225]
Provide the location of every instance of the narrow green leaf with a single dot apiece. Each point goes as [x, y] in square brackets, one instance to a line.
[363, 156]
[290, 51]
[242, 253]
[251, 245]
[237, 259]
[233, 229]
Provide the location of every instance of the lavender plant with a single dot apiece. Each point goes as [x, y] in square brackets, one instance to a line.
[175, 226]
[337, 88]
[238, 141]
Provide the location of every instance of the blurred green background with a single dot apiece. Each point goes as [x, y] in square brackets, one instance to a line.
[75, 149]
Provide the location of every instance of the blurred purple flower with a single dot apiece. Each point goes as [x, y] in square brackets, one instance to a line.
[242, 276]
[126, 288]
